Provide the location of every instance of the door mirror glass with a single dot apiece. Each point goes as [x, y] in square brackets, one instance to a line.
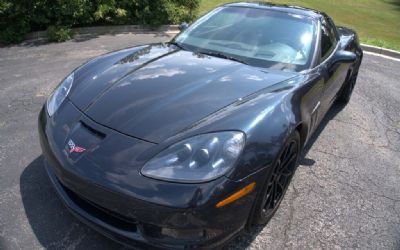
[183, 26]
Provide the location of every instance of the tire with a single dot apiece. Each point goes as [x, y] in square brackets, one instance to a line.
[347, 90]
[266, 203]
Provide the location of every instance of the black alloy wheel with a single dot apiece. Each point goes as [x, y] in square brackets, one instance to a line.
[275, 187]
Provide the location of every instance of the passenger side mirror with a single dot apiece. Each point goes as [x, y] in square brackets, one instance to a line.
[343, 56]
[183, 26]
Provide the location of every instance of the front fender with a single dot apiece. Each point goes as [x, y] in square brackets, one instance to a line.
[266, 117]
[266, 132]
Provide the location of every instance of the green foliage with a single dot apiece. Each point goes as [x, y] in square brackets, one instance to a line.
[58, 33]
[17, 17]
[14, 33]
[13, 21]
[174, 13]
[112, 12]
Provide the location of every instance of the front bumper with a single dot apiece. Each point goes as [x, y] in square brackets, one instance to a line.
[141, 218]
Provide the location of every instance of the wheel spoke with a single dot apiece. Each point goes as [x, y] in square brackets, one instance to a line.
[281, 176]
[278, 192]
[281, 186]
[286, 173]
[285, 151]
[284, 156]
[273, 195]
[268, 196]
[288, 160]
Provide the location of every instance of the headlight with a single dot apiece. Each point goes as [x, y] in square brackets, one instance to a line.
[59, 94]
[197, 159]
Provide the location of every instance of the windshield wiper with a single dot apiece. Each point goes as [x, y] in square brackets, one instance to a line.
[221, 55]
[178, 45]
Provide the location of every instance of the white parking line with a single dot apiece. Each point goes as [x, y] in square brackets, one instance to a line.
[387, 57]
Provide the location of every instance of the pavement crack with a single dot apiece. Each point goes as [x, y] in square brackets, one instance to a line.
[353, 124]
[335, 155]
[291, 215]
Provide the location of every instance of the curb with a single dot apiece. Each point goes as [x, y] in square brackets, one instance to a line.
[168, 29]
[381, 51]
[103, 30]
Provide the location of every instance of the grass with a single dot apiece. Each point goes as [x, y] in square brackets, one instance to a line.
[377, 22]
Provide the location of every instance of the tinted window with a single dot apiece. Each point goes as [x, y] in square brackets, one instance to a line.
[332, 28]
[261, 38]
[328, 38]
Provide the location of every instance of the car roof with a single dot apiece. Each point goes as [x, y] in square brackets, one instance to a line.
[280, 7]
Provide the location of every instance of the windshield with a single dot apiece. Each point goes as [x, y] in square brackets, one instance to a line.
[258, 37]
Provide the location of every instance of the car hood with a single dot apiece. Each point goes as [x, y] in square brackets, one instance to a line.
[153, 92]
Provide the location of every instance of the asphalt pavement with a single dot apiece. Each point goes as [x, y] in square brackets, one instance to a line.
[345, 194]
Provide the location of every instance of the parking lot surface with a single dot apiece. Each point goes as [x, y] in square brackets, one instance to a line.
[345, 194]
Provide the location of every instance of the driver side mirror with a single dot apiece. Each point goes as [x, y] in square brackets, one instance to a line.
[183, 26]
[343, 56]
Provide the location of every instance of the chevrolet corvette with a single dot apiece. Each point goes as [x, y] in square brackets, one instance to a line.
[184, 144]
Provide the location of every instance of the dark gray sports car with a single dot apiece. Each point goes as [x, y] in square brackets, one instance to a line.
[184, 144]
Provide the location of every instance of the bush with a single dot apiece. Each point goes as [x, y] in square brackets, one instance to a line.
[58, 33]
[14, 23]
[17, 17]
[14, 33]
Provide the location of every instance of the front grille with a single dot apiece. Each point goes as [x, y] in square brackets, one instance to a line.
[107, 216]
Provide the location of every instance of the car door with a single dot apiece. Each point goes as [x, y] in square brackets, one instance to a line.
[332, 70]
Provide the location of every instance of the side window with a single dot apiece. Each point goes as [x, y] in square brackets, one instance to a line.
[332, 28]
[328, 38]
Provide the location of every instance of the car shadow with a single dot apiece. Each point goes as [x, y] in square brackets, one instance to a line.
[245, 238]
[51, 222]
[56, 228]
[336, 108]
